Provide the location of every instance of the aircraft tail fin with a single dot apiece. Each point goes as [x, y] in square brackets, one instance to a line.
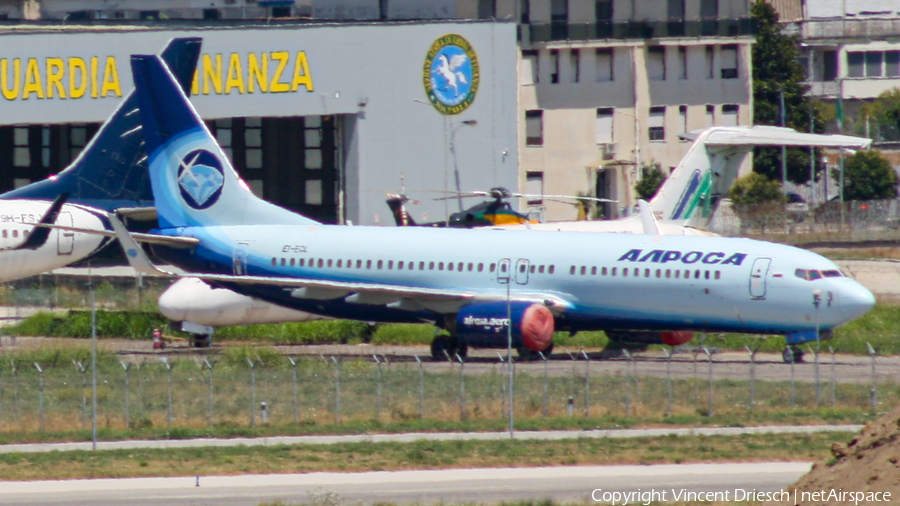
[193, 182]
[39, 235]
[397, 205]
[111, 171]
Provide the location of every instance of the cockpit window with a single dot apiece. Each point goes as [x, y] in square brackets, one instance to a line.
[833, 274]
[812, 274]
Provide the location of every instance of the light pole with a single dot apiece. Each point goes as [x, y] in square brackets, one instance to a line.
[817, 300]
[468, 122]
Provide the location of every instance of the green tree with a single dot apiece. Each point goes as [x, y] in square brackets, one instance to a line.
[755, 189]
[652, 177]
[869, 176]
[776, 69]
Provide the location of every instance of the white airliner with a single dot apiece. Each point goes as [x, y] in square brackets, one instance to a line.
[117, 149]
[686, 200]
[473, 283]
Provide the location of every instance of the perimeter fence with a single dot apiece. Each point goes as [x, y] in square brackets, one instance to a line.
[276, 390]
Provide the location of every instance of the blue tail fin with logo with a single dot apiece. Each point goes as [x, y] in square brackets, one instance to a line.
[111, 171]
[193, 182]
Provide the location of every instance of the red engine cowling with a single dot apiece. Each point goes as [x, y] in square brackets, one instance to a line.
[484, 325]
[676, 338]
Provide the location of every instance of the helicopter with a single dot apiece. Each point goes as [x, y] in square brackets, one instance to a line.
[489, 213]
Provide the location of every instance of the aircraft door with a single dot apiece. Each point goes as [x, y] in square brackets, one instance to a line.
[65, 239]
[503, 271]
[522, 266]
[240, 259]
[758, 277]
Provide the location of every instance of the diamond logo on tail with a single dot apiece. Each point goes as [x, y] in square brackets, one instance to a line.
[200, 179]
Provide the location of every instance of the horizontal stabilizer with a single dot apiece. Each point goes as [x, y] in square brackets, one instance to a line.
[764, 135]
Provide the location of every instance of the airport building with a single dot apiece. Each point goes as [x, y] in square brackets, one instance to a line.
[322, 118]
[601, 88]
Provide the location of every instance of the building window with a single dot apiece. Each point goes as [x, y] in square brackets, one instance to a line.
[78, 139]
[559, 19]
[729, 62]
[534, 185]
[829, 65]
[873, 64]
[892, 63]
[657, 123]
[710, 61]
[21, 152]
[534, 128]
[574, 63]
[223, 131]
[524, 12]
[603, 13]
[730, 115]
[604, 65]
[45, 147]
[313, 192]
[487, 9]
[604, 124]
[210, 13]
[530, 67]
[682, 63]
[253, 142]
[676, 10]
[554, 66]
[710, 116]
[656, 63]
[682, 119]
[855, 61]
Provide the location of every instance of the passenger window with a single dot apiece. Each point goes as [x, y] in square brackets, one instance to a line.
[646, 273]
[697, 274]
[541, 269]
[624, 271]
[292, 262]
[523, 268]
[668, 273]
[470, 266]
[301, 262]
[594, 270]
[637, 272]
[359, 264]
[491, 269]
[440, 266]
[551, 269]
[390, 264]
[368, 264]
[412, 266]
[718, 274]
[380, 264]
[430, 266]
[603, 271]
[533, 268]
[572, 270]
[503, 267]
[339, 262]
[450, 266]
[658, 273]
[480, 267]
[282, 262]
[15, 233]
[274, 260]
[329, 262]
[399, 265]
[583, 270]
[421, 266]
[706, 274]
[677, 274]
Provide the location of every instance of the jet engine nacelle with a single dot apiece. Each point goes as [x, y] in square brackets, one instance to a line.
[192, 300]
[484, 325]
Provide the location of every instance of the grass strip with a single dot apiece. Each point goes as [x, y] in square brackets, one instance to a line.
[359, 457]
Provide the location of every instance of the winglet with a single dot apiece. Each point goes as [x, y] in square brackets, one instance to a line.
[133, 252]
[38, 236]
[648, 220]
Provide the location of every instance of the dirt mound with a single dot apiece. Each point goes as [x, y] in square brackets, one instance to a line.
[861, 471]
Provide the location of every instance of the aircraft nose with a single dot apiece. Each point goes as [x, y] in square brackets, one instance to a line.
[855, 301]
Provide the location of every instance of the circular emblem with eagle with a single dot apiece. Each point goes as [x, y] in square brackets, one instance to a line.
[451, 74]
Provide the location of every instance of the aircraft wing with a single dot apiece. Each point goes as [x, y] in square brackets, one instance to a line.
[764, 135]
[407, 297]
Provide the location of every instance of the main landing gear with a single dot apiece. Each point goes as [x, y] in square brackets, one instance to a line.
[792, 354]
[451, 345]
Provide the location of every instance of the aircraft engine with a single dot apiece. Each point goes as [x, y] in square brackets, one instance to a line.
[484, 325]
[192, 300]
[676, 338]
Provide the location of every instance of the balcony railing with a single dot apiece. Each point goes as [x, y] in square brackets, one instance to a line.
[548, 32]
[823, 88]
[849, 28]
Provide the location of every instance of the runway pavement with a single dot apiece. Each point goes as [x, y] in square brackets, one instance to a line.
[403, 487]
